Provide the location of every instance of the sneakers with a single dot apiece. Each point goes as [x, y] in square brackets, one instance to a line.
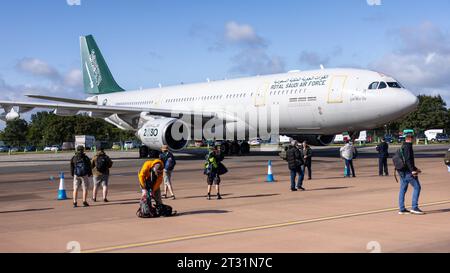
[173, 197]
[417, 211]
[208, 196]
[75, 204]
[405, 211]
[301, 188]
[293, 189]
[105, 200]
[219, 197]
[85, 204]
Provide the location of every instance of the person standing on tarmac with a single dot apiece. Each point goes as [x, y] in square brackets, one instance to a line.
[213, 160]
[306, 153]
[80, 168]
[101, 163]
[348, 153]
[409, 175]
[169, 164]
[383, 154]
[295, 162]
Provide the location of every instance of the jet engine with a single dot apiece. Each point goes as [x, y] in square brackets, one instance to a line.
[164, 131]
[315, 140]
[11, 115]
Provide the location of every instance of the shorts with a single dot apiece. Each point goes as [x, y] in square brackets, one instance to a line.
[82, 180]
[104, 178]
[213, 179]
[167, 178]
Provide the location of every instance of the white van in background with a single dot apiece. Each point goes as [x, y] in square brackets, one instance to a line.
[431, 134]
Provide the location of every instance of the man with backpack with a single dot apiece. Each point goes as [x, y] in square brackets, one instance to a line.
[295, 162]
[213, 169]
[150, 179]
[169, 164]
[80, 168]
[101, 163]
[383, 154]
[409, 174]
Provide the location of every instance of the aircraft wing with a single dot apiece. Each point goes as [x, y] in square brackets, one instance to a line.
[105, 110]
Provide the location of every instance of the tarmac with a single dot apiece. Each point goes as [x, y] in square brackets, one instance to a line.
[334, 214]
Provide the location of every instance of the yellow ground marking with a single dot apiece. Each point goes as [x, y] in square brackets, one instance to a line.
[256, 228]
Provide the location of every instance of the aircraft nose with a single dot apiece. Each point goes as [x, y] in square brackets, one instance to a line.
[411, 101]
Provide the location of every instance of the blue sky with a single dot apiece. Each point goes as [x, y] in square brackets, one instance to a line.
[168, 42]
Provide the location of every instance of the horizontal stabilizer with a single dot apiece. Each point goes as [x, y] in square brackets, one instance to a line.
[62, 99]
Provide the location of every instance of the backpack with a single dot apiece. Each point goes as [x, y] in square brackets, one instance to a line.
[221, 169]
[399, 160]
[80, 167]
[102, 163]
[283, 153]
[146, 209]
[174, 162]
[165, 210]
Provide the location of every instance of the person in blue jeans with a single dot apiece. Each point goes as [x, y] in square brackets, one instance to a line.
[295, 162]
[409, 175]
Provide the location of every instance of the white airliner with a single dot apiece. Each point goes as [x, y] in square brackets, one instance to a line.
[309, 105]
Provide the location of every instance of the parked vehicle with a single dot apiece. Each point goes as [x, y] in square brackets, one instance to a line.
[389, 138]
[4, 149]
[129, 144]
[52, 148]
[87, 142]
[442, 138]
[116, 146]
[14, 149]
[255, 141]
[431, 134]
[29, 149]
[66, 146]
[421, 137]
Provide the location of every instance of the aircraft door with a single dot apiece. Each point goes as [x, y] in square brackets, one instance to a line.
[336, 89]
[260, 95]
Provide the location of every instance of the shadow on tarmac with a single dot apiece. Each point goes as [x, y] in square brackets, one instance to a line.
[25, 210]
[202, 212]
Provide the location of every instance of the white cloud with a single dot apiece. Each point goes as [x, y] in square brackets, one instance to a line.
[242, 33]
[37, 68]
[74, 78]
[256, 61]
[421, 59]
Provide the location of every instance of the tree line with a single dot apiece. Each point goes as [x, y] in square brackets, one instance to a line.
[46, 128]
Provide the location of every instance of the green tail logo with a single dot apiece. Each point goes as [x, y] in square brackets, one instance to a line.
[97, 77]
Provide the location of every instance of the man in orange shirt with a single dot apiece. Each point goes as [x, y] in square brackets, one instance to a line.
[150, 179]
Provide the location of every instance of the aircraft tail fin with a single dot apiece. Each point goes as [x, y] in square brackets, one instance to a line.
[97, 78]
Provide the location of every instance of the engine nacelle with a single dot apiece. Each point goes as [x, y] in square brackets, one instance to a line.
[164, 131]
[315, 140]
[11, 115]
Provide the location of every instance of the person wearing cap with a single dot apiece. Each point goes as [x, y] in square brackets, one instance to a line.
[213, 159]
[150, 179]
[383, 154]
[80, 168]
[169, 164]
[409, 175]
[101, 163]
[295, 162]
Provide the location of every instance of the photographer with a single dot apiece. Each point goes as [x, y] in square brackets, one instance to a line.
[409, 175]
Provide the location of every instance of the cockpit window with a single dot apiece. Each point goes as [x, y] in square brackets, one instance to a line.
[373, 85]
[382, 85]
[394, 85]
